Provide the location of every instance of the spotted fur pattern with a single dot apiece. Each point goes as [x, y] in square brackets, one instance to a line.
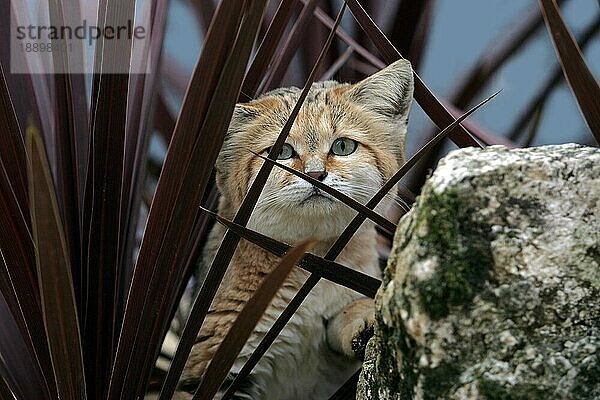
[318, 350]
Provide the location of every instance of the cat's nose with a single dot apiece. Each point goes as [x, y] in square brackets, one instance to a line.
[318, 175]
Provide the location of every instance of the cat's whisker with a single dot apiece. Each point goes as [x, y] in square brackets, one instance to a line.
[366, 194]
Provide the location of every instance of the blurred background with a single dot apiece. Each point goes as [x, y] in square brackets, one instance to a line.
[455, 35]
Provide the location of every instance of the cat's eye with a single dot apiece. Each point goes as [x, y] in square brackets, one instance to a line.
[287, 151]
[343, 147]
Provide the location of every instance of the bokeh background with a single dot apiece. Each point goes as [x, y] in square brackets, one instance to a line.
[460, 32]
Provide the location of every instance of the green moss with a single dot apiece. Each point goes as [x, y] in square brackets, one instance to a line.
[587, 382]
[400, 381]
[594, 253]
[491, 390]
[440, 380]
[494, 391]
[462, 247]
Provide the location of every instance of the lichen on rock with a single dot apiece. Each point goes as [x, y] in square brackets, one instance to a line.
[492, 290]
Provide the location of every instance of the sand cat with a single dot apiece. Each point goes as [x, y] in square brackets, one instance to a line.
[350, 137]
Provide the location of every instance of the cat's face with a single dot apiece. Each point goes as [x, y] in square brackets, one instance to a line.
[351, 137]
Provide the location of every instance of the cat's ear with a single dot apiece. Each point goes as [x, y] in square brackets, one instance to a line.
[243, 114]
[388, 92]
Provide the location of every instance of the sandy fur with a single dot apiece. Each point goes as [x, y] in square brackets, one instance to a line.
[313, 354]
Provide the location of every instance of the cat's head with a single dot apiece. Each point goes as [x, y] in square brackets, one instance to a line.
[349, 136]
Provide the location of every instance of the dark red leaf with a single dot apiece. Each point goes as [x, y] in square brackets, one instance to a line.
[553, 80]
[18, 365]
[409, 27]
[430, 104]
[12, 145]
[330, 270]
[243, 326]
[71, 135]
[194, 146]
[284, 57]
[267, 48]
[204, 10]
[5, 392]
[31, 96]
[54, 274]
[20, 286]
[102, 228]
[202, 226]
[345, 37]
[164, 122]
[143, 95]
[583, 84]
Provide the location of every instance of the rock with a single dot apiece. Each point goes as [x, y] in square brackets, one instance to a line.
[492, 290]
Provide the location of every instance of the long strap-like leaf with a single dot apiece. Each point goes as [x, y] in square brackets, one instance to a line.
[101, 230]
[282, 61]
[20, 366]
[553, 79]
[430, 104]
[328, 22]
[327, 269]
[12, 147]
[5, 392]
[266, 50]
[20, 286]
[54, 274]
[583, 84]
[198, 136]
[244, 324]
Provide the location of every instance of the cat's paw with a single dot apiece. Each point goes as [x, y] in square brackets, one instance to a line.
[349, 331]
[361, 337]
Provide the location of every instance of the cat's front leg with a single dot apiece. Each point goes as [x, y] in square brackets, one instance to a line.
[247, 389]
[350, 330]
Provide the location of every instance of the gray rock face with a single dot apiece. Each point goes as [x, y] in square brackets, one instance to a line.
[493, 287]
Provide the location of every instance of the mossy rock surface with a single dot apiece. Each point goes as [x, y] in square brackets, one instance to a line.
[492, 290]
